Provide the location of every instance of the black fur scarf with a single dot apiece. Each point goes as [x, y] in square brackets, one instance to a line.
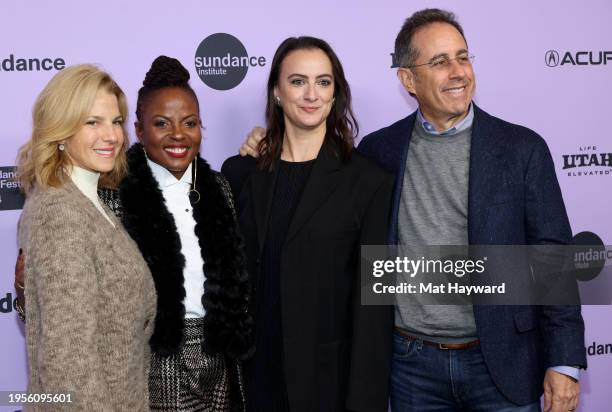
[228, 325]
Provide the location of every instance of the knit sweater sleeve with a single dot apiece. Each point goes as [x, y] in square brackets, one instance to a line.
[61, 269]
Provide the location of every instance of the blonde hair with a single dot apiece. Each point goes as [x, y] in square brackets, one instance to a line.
[60, 111]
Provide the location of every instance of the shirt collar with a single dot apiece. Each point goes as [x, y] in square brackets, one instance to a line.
[459, 127]
[165, 178]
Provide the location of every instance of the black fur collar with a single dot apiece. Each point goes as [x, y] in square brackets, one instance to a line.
[228, 326]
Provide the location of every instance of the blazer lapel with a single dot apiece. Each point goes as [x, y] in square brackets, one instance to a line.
[399, 145]
[323, 179]
[262, 191]
[484, 178]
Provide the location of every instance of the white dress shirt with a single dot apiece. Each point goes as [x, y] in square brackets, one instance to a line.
[176, 195]
[87, 182]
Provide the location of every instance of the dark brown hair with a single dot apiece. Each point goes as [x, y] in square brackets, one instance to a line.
[405, 54]
[341, 125]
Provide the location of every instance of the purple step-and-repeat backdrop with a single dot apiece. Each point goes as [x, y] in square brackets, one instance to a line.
[544, 64]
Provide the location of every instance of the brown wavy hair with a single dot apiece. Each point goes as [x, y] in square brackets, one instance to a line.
[60, 111]
[342, 127]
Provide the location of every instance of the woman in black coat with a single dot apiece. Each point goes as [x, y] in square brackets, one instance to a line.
[305, 207]
[180, 213]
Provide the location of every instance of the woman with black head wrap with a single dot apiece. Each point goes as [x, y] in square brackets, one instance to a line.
[181, 215]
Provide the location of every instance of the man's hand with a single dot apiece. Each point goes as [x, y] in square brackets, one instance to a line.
[560, 392]
[249, 147]
[20, 277]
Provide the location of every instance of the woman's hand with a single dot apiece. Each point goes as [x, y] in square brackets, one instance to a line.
[249, 147]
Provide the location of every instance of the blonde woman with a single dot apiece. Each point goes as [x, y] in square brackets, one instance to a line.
[91, 298]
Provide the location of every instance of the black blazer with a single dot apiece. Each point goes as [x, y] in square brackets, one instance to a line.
[337, 353]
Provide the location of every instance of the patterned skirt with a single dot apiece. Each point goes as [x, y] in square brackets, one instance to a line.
[193, 380]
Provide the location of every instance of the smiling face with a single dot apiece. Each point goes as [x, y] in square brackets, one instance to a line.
[170, 129]
[444, 93]
[98, 142]
[306, 89]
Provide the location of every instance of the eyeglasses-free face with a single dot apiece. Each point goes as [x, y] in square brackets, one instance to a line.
[305, 89]
[442, 80]
[98, 142]
[170, 130]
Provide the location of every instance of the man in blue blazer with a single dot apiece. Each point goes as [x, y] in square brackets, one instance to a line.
[466, 177]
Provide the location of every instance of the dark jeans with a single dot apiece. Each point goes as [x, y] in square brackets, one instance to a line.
[425, 378]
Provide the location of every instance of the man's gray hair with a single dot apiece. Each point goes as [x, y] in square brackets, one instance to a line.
[405, 53]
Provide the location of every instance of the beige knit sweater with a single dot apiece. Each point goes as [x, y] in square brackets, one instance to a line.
[90, 304]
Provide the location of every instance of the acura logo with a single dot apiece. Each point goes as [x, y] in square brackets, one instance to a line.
[551, 58]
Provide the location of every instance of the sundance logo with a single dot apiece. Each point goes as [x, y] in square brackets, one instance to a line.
[595, 349]
[7, 303]
[222, 61]
[11, 197]
[31, 64]
[553, 58]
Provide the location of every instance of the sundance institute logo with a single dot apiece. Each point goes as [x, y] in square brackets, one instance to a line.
[590, 255]
[222, 61]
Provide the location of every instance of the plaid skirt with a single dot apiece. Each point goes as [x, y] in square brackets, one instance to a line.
[193, 380]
